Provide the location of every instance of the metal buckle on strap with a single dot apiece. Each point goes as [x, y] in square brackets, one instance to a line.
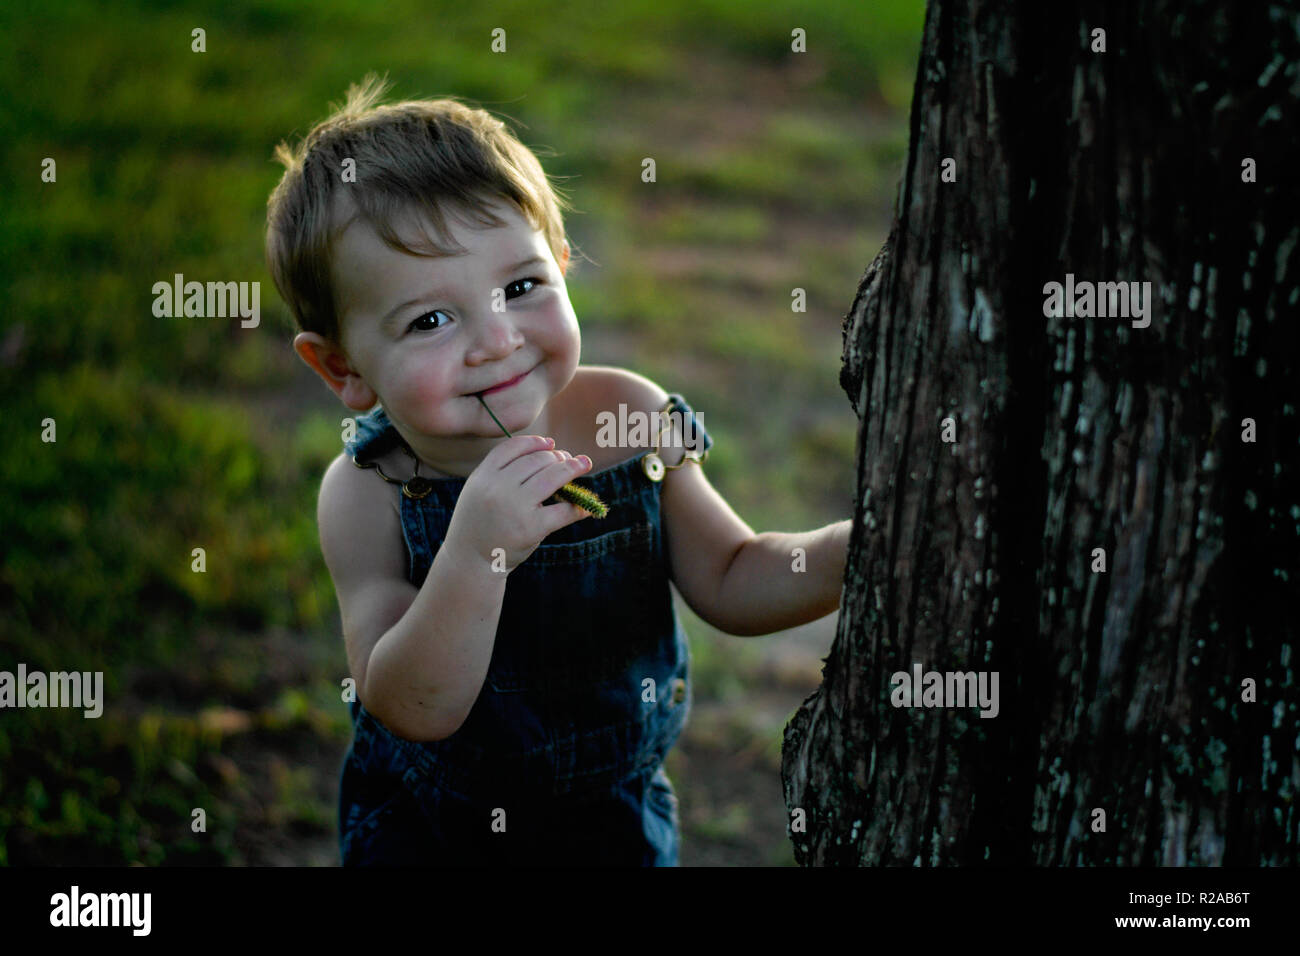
[415, 487]
[653, 465]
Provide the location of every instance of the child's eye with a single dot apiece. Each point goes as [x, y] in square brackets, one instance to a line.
[425, 316]
[535, 282]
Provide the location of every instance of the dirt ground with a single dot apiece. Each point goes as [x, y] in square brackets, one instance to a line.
[727, 766]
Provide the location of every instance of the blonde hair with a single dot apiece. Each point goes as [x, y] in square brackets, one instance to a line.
[415, 155]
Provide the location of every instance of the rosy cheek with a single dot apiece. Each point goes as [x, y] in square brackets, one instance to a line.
[430, 394]
[418, 387]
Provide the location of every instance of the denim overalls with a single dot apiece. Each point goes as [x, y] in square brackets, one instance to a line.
[560, 759]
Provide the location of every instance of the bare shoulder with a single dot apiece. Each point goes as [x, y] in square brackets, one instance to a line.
[361, 541]
[360, 530]
[600, 390]
[608, 386]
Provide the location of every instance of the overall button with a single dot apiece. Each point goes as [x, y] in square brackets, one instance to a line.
[653, 466]
[416, 487]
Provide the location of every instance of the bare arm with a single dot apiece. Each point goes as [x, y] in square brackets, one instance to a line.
[427, 670]
[769, 587]
[420, 657]
[740, 582]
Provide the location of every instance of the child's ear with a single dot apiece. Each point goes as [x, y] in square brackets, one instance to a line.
[564, 261]
[331, 363]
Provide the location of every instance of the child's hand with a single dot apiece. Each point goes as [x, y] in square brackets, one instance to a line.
[501, 507]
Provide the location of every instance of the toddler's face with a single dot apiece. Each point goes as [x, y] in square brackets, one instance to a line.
[421, 334]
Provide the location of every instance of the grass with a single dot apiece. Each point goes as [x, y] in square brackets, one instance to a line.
[180, 441]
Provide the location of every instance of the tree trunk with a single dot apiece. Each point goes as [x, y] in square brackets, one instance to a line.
[1120, 690]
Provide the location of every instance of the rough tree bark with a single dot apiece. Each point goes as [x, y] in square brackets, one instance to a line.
[1120, 690]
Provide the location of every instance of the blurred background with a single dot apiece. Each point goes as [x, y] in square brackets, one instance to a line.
[775, 170]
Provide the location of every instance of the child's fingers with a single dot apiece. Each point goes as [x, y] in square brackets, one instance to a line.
[514, 448]
[555, 476]
[519, 471]
[561, 515]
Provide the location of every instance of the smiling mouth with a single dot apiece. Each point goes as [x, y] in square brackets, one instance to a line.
[496, 388]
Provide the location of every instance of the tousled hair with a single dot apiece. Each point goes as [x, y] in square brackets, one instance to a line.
[427, 156]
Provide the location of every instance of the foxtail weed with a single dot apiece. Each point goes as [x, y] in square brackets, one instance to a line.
[587, 500]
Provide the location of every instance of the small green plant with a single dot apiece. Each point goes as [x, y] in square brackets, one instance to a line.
[585, 499]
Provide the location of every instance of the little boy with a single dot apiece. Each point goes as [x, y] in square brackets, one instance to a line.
[520, 670]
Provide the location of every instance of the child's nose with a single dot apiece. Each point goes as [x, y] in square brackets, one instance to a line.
[496, 335]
